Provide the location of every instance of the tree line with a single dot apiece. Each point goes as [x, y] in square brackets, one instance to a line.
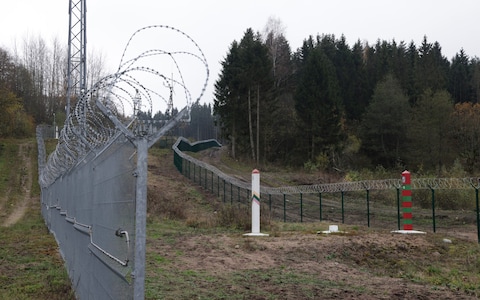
[33, 84]
[33, 90]
[331, 106]
[326, 105]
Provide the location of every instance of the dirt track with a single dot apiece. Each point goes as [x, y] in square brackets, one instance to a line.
[26, 179]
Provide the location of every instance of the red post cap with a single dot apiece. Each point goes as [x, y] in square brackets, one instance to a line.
[406, 177]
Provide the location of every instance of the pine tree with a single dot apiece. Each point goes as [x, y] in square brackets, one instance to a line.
[241, 93]
[318, 103]
[465, 139]
[356, 103]
[429, 131]
[227, 97]
[384, 124]
[432, 67]
[460, 78]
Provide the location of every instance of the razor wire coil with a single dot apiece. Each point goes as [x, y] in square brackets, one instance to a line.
[109, 107]
[382, 184]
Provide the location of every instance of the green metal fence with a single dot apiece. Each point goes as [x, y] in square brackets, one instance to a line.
[439, 205]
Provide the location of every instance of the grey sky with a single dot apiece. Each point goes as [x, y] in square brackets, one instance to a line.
[214, 24]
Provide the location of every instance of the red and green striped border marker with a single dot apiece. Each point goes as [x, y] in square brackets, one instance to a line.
[407, 201]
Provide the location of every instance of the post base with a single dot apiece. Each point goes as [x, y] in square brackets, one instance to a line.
[409, 232]
[256, 234]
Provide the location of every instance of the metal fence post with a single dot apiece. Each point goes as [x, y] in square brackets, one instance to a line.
[284, 208]
[270, 202]
[478, 215]
[368, 208]
[200, 176]
[320, 204]
[301, 207]
[140, 219]
[343, 208]
[433, 210]
[398, 208]
[224, 192]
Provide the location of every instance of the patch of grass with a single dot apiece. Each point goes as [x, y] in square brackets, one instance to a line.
[456, 265]
[12, 170]
[165, 229]
[272, 283]
[236, 217]
[50, 145]
[31, 267]
[8, 162]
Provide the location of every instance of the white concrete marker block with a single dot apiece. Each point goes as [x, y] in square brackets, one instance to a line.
[256, 205]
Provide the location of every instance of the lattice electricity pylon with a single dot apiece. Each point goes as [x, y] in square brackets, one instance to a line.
[77, 45]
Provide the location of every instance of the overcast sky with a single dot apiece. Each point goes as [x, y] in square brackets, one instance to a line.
[214, 24]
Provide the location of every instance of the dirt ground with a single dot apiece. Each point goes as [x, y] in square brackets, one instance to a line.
[372, 261]
[342, 260]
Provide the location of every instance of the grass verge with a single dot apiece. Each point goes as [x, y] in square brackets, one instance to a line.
[30, 266]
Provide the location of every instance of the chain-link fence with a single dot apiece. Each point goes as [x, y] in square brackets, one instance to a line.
[440, 204]
[91, 212]
[94, 184]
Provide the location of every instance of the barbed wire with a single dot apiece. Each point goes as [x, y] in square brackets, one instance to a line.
[111, 105]
[382, 184]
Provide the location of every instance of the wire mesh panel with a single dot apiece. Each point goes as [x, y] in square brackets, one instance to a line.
[91, 211]
[94, 184]
[383, 208]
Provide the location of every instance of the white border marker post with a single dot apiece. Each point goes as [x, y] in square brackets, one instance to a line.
[256, 205]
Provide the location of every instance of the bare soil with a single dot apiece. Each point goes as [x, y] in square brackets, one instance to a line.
[361, 263]
[340, 260]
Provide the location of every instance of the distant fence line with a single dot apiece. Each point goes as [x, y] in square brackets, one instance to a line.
[373, 201]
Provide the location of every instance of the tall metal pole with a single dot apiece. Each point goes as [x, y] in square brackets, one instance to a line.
[140, 219]
[77, 45]
[478, 215]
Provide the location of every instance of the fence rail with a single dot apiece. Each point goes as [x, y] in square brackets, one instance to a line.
[442, 204]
